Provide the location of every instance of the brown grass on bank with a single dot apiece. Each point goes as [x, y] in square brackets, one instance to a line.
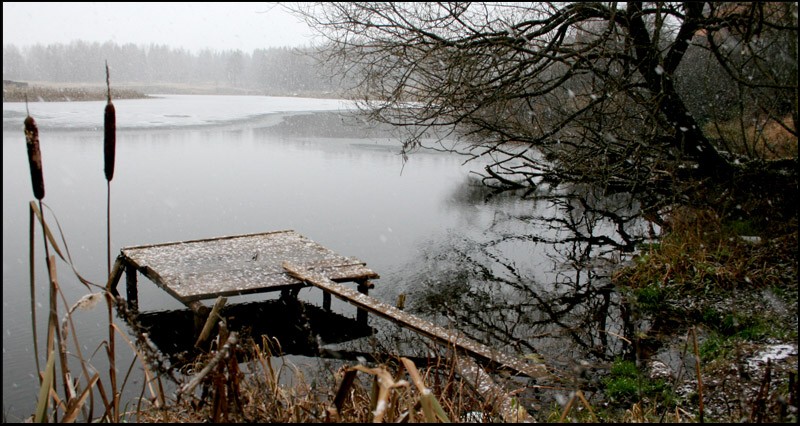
[762, 138]
[700, 251]
[12, 93]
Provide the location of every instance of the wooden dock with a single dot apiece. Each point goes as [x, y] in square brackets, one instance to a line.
[196, 270]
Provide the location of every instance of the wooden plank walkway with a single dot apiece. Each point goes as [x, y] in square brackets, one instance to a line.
[227, 266]
[419, 325]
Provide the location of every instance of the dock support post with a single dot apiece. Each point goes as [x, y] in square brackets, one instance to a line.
[132, 287]
[326, 301]
[290, 293]
[361, 314]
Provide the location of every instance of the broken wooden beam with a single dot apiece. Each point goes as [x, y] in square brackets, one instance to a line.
[509, 409]
[114, 276]
[419, 325]
[211, 321]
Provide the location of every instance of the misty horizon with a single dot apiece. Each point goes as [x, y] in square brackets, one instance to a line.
[273, 70]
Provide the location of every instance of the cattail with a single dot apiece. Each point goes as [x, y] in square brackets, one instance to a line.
[34, 157]
[110, 137]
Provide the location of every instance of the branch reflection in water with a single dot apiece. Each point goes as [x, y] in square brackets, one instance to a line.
[535, 278]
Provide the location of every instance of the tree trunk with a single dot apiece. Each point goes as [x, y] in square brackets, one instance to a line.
[689, 138]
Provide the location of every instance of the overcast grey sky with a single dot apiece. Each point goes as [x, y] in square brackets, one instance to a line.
[194, 26]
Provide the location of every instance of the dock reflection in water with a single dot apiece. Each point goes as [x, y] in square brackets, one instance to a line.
[298, 327]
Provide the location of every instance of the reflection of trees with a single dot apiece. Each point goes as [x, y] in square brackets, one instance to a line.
[535, 281]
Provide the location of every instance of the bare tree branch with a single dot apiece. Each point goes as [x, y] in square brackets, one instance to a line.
[597, 89]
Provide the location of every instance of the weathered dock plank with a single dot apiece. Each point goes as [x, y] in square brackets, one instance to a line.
[234, 265]
[419, 325]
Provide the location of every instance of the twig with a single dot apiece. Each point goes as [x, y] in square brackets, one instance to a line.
[759, 405]
[189, 387]
[699, 376]
[567, 409]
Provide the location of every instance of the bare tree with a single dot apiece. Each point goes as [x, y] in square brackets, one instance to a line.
[578, 91]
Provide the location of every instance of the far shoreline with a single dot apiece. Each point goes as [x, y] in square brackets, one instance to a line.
[15, 91]
[20, 92]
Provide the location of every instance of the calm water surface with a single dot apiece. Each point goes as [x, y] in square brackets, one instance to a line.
[191, 167]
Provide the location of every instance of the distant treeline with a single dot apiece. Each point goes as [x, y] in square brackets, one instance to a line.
[268, 71]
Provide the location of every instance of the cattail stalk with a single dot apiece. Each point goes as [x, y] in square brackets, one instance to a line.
[109, 151]
[109, 148]
[110, 128]
[37, 181]
[34, 157]
[35, 162]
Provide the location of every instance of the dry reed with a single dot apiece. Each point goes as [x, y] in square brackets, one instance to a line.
[698, 372]
[71, 404]
[109, 150]
[37, 183]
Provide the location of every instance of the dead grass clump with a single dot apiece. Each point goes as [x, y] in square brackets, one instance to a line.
[699, 253]
[644, 413]
[260, 391]
[764, 139]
